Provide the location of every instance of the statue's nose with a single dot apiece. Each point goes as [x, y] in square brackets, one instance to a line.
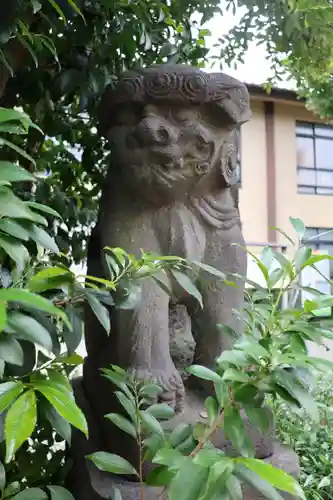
[153, 130]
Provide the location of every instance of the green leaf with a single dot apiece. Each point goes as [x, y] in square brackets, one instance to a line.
[209, 269]
[44, 208]
[11, 172]
[212, 410]
[2, 477]
[76, 8]
[261, 266]
[9, 391]
[234, 488]
[59, 424]
[3, 316]
[298, 225]
[127, 404]
[161, 411]
[32, 300]
[122, 423]
[185, 282]
[276, 477]
[237, 358]
[11, 350]
[11, 489]
[14, 228]
[60, 493]
[18, 150]
[20, 422]
[259, 417]
[150, 390]
[235, 375]
[252, 348]
[167, 456]
[100, 311]
[283, 234]
[43, 239]
[189, 481]
[28, 328]
[234, 427]
[11, 114]
[301, 395]
[50, 278]
[16, 251]
[259, 484]
[108, 462]
[72, 359]
[119, 380]
[159, 476]
[58, 9]
[301, 257]
[73, 336]
[203, 373]
[151, 423]
[30, 494]
[63, 401]
[180, 434]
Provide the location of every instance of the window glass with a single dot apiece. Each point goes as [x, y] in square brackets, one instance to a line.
[305, 152]
[304, 128]
[324, 178]
[326, 236]
[306, 177]
[324, 130]
[306, 190]
[324, 190]
[324, 154]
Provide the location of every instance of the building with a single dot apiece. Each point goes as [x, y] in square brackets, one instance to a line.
[286, 169]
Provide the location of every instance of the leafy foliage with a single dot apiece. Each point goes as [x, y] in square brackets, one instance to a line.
[41, 327]
[74, 49]
[313, 444]
[270, 360]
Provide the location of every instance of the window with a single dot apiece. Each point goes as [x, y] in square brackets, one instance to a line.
[314, 158]
[320, 240]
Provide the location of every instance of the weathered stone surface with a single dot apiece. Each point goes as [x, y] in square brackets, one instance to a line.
[96, 485]
[88, 483]
[170, 190]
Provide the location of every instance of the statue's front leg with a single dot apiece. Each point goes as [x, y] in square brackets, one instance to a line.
[143, 343]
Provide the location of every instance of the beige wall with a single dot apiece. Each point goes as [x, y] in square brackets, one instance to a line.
[253, 196]
[314, 210]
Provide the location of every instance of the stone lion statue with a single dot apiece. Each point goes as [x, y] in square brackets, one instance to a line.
[170, 190]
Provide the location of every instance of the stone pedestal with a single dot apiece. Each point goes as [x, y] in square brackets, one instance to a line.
[86, 482]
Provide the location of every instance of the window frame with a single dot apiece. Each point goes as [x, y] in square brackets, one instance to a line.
[313, 135]
[315, 244]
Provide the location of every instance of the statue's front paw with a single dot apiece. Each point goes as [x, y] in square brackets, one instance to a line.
[170, 381]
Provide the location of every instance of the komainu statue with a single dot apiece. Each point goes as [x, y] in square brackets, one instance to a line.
[171, 190]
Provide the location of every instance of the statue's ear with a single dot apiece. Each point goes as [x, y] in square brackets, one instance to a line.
[229, 159]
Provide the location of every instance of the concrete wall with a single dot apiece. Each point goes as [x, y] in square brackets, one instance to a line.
[253, 193]
[314, 210]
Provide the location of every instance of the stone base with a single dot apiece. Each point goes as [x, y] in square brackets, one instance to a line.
[194, 412]
[86, 482]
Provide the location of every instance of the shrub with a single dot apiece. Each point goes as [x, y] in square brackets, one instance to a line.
[312, 443]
